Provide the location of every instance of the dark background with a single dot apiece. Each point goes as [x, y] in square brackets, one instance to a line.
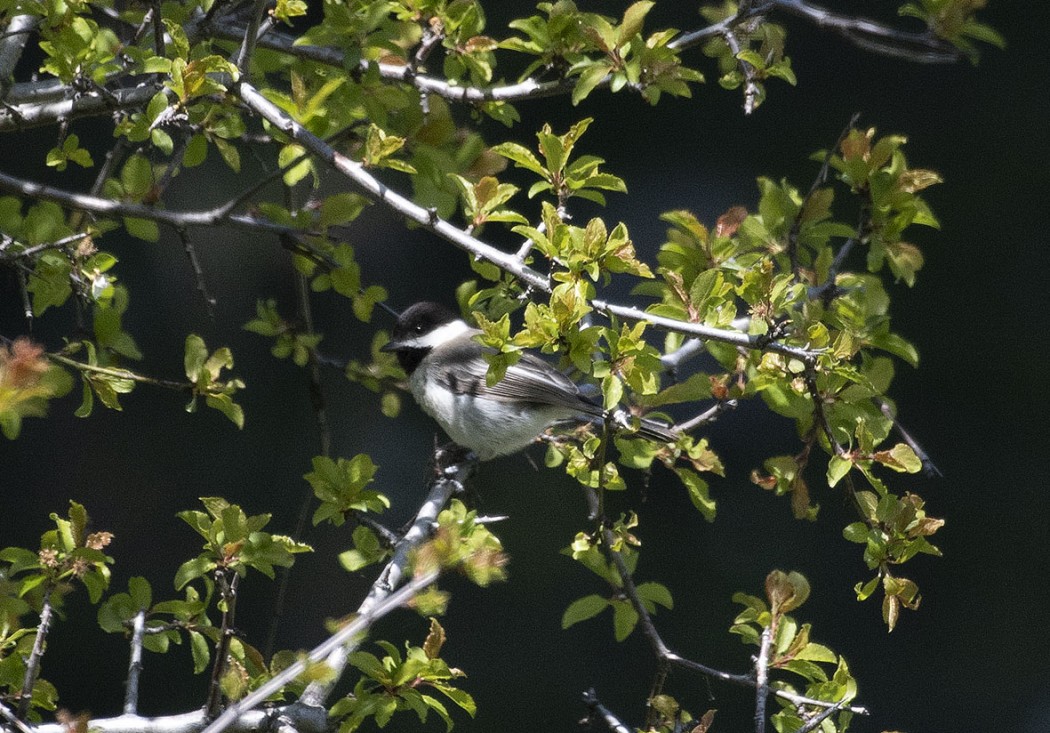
[974, 657]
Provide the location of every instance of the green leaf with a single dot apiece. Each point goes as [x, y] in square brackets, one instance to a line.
[655, 593]
[838, 467]
[193, 569]
[144, 229]
[196, 353]
[698, 492]
[625, 618]
[633, 18]
[582, 609]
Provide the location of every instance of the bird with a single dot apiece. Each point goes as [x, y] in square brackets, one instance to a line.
[447, 371]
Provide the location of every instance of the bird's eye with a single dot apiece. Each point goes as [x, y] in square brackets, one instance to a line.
[418, 328]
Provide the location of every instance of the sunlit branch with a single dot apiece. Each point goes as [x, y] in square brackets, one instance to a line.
[428, 219]
[138, 634]
[707, 416]
[13, 42]
[13, 720]
[762, 679]
[36, 114]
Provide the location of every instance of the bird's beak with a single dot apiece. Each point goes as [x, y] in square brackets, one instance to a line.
[392, 346]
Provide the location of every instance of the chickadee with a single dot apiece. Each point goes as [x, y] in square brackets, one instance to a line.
[446, 371]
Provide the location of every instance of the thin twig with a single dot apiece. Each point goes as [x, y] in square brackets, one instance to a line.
[707, 416]
[176, 219]
[870, 35]
[251, 37]
[39, 644]
[117, 373]
[820, 180]
[227, 582]
[663, 652]
[198, 272]
[138, 634]
[302, 290]
[812, 724]
[928, 466]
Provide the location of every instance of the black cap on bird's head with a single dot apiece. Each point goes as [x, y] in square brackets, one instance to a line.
[418, 322]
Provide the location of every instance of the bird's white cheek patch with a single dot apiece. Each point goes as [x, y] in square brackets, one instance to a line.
[440, 335]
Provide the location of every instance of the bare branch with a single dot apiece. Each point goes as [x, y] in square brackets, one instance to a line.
[7, 714]
[870, 35]
[817, 720]
[38, 114]
[138, 634]
[665, 655]
[762, 679]
[602, 713]
[15, 36]
[251, 37]
[39, 643]
[707, 416]
[928, 466]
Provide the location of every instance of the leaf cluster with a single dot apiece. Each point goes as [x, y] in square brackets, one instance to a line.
[402, 682]
[824, 674]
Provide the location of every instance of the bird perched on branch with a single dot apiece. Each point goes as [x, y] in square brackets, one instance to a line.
[446, 372]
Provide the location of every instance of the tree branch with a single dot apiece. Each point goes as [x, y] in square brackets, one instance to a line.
[39, 644]
[448, 482]
[20, 725]
[38, 114]
[870, 35]
[762, 679]
[378, 191]
[131, 693]
[602, 713]
[664, 654]
[347, 639]
[15, 36]
[227, 582]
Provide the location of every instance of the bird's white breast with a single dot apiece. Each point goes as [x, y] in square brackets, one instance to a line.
[489, 428]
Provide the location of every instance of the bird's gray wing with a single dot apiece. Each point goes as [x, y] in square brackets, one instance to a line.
[531, 379]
